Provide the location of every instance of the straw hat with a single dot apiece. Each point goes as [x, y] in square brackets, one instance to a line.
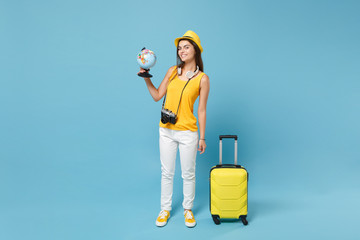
[191, 36]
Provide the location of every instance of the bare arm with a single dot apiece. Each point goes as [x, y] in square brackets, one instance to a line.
[204, 93]
[158, 93]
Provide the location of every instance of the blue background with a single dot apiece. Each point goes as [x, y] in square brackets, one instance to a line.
[79, 152]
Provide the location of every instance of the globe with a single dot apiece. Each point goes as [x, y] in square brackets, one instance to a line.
[146, 59]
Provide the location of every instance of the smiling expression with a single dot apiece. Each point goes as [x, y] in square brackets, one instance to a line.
[186, 50]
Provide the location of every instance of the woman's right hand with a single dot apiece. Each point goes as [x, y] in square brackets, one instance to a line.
[142, 71]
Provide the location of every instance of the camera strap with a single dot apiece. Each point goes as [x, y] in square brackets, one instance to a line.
[180, 96]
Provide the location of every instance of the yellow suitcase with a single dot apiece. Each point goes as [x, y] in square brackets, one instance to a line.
[228, 189]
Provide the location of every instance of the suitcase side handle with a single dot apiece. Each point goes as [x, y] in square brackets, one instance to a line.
[220, 147]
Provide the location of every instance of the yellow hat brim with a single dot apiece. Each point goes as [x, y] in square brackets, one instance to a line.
[177, 40]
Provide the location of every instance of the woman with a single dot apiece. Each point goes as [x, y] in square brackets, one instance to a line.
[182, 85]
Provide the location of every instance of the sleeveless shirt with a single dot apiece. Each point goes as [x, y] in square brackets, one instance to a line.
[185, 117]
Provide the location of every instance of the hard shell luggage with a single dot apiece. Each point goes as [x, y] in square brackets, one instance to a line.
[228, 189]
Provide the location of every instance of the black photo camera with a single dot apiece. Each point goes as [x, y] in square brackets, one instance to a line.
[168, 116]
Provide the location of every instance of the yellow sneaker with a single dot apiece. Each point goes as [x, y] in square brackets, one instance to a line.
[162, 219]
[189, 218]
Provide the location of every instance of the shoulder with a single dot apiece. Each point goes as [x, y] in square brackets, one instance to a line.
[169, 73]
[205, 82]
[205, 79]
[171, 69]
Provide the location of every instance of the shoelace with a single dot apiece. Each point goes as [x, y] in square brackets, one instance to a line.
[163, 214]
[188, 215]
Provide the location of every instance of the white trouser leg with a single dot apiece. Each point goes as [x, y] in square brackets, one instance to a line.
[188, 150]
[168, 150]
[169, 141]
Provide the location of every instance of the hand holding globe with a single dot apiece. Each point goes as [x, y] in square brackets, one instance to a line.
[146, 59]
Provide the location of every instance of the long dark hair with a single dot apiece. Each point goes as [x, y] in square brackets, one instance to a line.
[198, 58]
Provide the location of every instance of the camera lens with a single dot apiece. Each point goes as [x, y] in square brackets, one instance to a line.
[164, 118]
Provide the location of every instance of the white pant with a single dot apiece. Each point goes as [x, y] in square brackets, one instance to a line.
[169, 141]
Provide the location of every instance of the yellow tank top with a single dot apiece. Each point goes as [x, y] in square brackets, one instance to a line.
[185, 117]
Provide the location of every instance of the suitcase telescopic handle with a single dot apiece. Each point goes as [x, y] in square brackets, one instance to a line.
[228, 136]
[220, 147]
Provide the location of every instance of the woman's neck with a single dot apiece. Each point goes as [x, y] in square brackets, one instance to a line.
[189, 66]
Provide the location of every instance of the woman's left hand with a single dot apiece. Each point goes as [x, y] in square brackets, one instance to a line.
[202, 146]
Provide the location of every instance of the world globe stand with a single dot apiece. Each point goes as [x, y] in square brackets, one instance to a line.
[145, 74]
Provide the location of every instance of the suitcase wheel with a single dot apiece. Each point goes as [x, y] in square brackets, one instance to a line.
[243, 219]
[216, 219]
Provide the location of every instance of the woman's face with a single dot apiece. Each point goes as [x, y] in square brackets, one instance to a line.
[186, 50]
